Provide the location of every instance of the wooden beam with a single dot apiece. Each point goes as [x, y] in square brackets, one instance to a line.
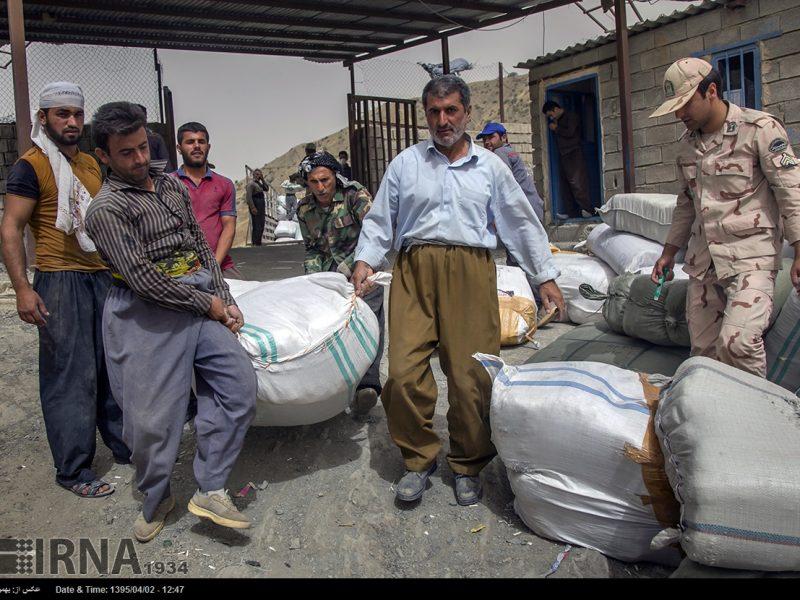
[227, 15]
[400, 13]
[22, 105]
[626, 116]
[65, 23]
[177, 35]
[507, 11]
[551, 4]
[177, 45]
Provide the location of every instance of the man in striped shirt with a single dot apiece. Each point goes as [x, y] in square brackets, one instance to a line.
[169, 315]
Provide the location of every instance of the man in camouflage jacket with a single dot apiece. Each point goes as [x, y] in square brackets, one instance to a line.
[330, 218]
[739, 198]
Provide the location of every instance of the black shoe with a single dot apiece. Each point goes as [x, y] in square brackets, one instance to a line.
[364, 401]
[412, 484]
[468, 489]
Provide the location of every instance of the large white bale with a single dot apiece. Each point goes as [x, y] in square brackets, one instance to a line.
[583, 460]
[732, 447]
[577, 269]
[783, 345]
[623, 252]
[287, 229]
[311, 340]
[647, 215]
[517, 306]
[280, 207]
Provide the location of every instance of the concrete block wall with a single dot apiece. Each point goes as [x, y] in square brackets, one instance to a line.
[8, 156]
[651, 53]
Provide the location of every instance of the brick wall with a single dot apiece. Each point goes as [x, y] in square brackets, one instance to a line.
[651, 54]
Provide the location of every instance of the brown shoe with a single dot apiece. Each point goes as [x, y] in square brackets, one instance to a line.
[219, 508]
[145, 531]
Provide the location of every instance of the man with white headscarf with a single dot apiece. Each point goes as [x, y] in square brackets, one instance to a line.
[49, 188]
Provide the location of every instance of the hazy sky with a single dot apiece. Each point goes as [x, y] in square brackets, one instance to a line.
[257, 107]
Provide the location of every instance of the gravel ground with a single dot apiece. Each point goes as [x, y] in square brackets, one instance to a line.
[323, 504]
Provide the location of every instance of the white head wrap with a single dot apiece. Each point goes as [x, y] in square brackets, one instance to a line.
[73, 197]
[61, 93]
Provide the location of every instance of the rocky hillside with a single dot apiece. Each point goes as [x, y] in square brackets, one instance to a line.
[484, 108]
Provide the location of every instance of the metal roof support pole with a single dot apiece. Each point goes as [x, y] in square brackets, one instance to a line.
[501, 93]
[352, 79]
[624, 77]
[22, 106]
[445, 56]
[160, 86]
[172, 143]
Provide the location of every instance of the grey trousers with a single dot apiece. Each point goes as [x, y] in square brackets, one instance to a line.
[151, 353]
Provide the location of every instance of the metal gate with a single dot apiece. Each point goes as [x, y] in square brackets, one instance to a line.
[380, 128]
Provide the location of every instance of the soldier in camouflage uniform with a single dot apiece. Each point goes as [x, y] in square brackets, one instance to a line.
[330, 218]
[740, 196]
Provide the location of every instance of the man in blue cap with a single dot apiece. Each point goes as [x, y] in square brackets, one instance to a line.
[495, 138]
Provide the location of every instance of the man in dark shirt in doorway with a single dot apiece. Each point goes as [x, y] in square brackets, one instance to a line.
[158, 147]
[572, 165]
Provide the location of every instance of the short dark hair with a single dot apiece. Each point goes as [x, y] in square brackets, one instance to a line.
[193, 127]
[444, 85]
[550, 105]
[116, 118]
[343, 153]
[712, 77]
[144, 109]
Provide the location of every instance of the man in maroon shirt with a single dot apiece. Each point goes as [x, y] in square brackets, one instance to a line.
[213, 196]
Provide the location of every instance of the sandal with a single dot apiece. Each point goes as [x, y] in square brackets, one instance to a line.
[91, 489]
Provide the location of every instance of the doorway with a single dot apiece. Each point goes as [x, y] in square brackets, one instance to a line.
[580, 96]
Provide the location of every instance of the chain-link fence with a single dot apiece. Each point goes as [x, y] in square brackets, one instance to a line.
[105, 73]
[405, 79]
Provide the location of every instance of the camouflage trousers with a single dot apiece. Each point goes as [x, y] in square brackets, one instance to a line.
[727, 318]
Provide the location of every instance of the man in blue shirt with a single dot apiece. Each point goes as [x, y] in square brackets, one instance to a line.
[442, 203]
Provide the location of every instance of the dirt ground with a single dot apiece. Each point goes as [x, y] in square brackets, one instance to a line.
[327, 506]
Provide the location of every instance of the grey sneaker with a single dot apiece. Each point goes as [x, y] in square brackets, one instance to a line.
[364, 401]
[562, 216]
[412, 484]
[586, 214]
[145, 531]
[468, 490]
[219, 508]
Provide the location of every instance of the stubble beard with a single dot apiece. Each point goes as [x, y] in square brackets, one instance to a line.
[451, 139]
[191, 161]
[60, 139]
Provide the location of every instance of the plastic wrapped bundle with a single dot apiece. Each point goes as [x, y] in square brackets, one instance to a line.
[582, 456]
[517, 306]
[732, 446]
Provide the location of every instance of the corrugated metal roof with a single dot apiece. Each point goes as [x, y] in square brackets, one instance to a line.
[325, 30]
[611, 37]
